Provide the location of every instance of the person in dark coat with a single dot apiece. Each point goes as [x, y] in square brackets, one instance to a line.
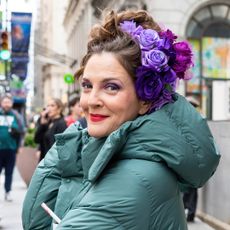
[51, 122]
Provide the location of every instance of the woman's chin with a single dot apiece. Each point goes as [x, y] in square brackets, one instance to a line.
[97, 133]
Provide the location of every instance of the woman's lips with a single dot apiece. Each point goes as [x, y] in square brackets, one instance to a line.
[97, 117]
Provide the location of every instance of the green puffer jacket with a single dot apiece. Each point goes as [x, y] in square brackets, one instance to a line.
[8, 121]
[129, 180]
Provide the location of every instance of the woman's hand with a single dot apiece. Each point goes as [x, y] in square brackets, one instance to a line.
[44, 117]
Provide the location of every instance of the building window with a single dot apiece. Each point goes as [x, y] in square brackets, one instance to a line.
[209, 33]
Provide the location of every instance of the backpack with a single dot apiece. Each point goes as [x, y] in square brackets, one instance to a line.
[20, 121]
[21, 127]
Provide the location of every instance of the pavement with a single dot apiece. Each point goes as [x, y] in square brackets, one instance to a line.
[10, 212]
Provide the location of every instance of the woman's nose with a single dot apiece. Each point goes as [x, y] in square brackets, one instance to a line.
[95, 98]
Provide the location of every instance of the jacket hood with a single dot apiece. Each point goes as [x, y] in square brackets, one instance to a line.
[178, 136]
[175, 135]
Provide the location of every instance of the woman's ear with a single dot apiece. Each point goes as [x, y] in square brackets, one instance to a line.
[144, 107]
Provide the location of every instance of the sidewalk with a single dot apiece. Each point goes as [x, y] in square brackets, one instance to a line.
[199, 225]
[11, 211]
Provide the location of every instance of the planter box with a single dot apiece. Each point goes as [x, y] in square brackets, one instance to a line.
[26, 163]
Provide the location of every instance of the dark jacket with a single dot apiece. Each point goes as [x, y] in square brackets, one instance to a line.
[45, 133]
[127, 181]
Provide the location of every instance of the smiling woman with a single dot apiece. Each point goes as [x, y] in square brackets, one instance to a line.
[107, 92]
[125, 170]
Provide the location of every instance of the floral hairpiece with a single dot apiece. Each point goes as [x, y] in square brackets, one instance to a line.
[163, 61]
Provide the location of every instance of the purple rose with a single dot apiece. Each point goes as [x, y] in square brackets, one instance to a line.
[148, 39]
[167, 39]
[148, 85]
[182, 63]
[163, 62]
[156, 60]
[183, 58]
[183, 48]
[169, 76]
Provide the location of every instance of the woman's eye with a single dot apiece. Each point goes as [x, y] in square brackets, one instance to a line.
[112, 87]
[86, 85]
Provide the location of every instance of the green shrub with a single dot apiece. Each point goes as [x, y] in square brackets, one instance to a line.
[29, 138]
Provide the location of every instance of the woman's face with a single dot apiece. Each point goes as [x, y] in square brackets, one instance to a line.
[108, 96]
[76, 109]
[53, 110]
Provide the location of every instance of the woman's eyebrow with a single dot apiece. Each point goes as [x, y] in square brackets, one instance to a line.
[103, 80]
[110, 79]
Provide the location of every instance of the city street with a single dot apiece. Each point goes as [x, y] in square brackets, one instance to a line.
[150, 82]
[11, 211]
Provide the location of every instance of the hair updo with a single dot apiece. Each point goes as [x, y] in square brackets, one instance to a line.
[108, 37]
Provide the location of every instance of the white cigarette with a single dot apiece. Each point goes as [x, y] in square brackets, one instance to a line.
[51, 213]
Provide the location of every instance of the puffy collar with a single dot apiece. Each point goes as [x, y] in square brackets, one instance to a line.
[175, 135]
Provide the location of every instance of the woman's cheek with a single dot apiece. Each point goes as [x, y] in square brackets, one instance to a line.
[83, 102]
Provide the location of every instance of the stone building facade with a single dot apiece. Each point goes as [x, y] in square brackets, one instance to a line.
[50, 61]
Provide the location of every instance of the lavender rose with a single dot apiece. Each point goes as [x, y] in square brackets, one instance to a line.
[156, 60]
[148, 39]
[130, 28]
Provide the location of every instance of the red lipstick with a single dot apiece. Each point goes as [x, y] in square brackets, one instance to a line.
[97, 117]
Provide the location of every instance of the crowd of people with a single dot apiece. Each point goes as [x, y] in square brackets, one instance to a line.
[51, 121]
[120, 158]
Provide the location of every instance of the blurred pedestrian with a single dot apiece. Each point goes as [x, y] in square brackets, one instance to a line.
[51, 122]
[9, 141]
[123, 171]
[75, 110]
[190, 195]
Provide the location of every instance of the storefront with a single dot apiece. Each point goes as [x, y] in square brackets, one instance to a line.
[209, 33]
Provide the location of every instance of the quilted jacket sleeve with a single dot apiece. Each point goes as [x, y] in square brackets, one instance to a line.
[43, 188]
[133, 194]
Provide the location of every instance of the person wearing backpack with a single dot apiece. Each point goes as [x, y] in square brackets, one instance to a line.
[9, 141]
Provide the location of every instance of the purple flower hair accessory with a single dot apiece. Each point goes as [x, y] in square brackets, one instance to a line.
[163, 62]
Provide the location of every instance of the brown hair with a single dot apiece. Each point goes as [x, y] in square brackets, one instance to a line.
[108, 37]
[73, 101]
[7, 95]
[59, 104]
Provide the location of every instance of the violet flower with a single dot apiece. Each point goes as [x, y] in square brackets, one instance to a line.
[163, 62]
[156, 60]
[148, 39]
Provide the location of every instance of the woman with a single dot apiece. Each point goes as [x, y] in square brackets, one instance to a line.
[50, 123]
[75, 113]
[143, 140]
